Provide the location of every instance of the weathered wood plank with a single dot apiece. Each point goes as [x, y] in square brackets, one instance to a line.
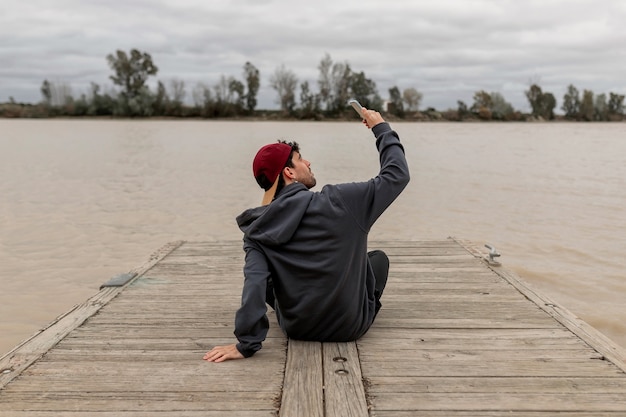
[503, 385]
[444, 278]
[526, 368]
[430, 268]
[134, 413]
[467, 335]
[468, 356]
[303, 393]
[499, 413]
[415, 243]
[514, 344]
[204, 334]
[344, 394]
[554, 403]
[139, 400]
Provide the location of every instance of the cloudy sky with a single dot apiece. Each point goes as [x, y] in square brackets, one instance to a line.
[447, 49]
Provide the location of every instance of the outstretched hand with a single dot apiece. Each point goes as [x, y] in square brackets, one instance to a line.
[223, 353]
[371, 118]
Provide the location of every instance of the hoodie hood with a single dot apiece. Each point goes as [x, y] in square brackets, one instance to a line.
[276, 223]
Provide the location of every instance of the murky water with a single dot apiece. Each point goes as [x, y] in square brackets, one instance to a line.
[83, 200]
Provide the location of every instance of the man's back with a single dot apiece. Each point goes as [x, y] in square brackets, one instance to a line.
[317, 272]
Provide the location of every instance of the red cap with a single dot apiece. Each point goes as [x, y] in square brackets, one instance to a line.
[270, 161]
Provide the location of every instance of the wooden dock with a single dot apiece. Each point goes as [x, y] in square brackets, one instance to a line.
[455, 337]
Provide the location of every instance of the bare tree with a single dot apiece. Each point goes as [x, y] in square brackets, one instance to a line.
[199, 93]
[222, 92]
[324, 81]
[285, 82]
[177, 87]
[60, 94]
[340, 85]
[412, 98]
[334, 84]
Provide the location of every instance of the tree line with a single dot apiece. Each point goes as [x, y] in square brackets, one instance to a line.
[337, 82]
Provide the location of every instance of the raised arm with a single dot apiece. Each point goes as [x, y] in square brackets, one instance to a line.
[368, 200]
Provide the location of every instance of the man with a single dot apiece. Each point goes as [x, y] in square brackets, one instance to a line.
[306, 252]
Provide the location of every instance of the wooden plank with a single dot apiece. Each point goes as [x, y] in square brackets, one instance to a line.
[303, 393]
[503, 385]
[189, 332]
[428, 341]
[483, 413]
[128, 400]
[172, 377]
[134, 413]
[469, 323]
[344, 394]
[469, 335]
[490, 284]
[554, 403]
[525, 368]
[468, 355]
[323, 380]
[416, 243]
[433, 268]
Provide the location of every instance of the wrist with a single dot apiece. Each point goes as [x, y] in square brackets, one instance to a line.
[381, 128]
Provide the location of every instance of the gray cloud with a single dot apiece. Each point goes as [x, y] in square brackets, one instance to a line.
[448, 49]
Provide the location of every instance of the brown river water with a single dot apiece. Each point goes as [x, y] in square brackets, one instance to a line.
[84, 200]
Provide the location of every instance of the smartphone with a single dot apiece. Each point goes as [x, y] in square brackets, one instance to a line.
[356, 106]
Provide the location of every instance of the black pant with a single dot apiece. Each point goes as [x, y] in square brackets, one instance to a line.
[380, 265]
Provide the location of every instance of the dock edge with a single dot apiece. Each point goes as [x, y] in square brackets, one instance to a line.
[610, 350]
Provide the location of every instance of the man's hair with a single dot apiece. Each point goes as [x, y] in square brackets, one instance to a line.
[294, 148]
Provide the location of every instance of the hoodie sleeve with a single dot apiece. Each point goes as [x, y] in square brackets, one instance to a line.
[251, 323]
[368, 200]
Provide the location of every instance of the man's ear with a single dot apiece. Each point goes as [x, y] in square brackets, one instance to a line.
[288, 172]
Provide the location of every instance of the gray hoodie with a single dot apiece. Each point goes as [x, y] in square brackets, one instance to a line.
[313, 245]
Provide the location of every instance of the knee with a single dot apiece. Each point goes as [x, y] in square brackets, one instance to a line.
[379, 257]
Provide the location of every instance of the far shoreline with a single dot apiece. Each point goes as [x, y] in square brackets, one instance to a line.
[278, 116]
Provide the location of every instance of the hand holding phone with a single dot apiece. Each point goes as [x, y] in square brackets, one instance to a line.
[370, 118]
[356, 106]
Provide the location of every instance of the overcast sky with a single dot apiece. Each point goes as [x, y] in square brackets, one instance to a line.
[447, 49]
